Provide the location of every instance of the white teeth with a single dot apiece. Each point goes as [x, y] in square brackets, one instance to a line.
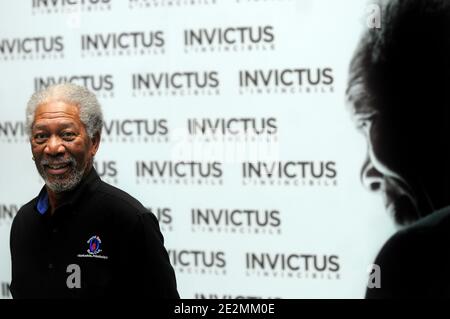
[57, 166]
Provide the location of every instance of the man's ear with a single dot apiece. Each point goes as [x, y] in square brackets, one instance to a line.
[95, 140]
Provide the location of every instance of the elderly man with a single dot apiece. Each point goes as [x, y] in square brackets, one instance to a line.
[81, 237]
[399, 90]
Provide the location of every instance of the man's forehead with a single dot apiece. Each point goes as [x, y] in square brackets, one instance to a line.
[61, 122]
[56, 112]
[55, 109]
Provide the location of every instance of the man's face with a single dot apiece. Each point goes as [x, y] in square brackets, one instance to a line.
[61, 147]
[385, 168]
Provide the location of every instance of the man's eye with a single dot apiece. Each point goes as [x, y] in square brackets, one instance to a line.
[40, 137]
[68, 135]
[363, 124]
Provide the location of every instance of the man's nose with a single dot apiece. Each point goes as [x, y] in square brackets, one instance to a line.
[371, 178]
[54, 146]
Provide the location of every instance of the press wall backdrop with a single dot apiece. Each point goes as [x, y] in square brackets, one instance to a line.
[226, 118]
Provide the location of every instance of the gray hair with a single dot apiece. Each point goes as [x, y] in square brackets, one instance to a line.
[86, 101]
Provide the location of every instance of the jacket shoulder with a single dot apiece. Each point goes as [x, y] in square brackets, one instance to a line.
[123, 207]
[25, 210]
[116, 197]
[437, 221]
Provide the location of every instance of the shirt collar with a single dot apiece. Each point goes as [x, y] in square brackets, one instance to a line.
[87, 183]
[42, 204]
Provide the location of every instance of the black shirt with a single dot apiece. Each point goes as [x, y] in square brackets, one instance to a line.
[415, 262]
[102, 238]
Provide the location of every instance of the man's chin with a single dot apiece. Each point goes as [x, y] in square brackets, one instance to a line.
[63, 182]
[57, 177]
[60, 185]
[403, 210]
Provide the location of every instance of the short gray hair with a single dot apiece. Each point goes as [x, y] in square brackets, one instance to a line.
[86, 101]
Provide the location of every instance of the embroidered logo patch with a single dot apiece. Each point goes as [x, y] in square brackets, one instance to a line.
[94, 245]
[94, 248]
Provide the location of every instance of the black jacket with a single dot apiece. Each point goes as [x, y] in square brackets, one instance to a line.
[415, 262]
[114, 241]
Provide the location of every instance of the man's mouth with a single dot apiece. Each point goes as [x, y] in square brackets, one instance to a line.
[57, 169]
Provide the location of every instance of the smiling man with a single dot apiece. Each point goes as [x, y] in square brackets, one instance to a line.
[399, 94]
[80, 237]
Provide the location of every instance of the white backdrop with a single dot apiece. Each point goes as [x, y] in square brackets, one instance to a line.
[274, 211]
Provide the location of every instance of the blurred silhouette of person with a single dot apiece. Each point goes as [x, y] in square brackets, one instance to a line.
[399, 94]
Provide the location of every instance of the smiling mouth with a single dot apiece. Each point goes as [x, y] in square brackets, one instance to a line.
[57, 169]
